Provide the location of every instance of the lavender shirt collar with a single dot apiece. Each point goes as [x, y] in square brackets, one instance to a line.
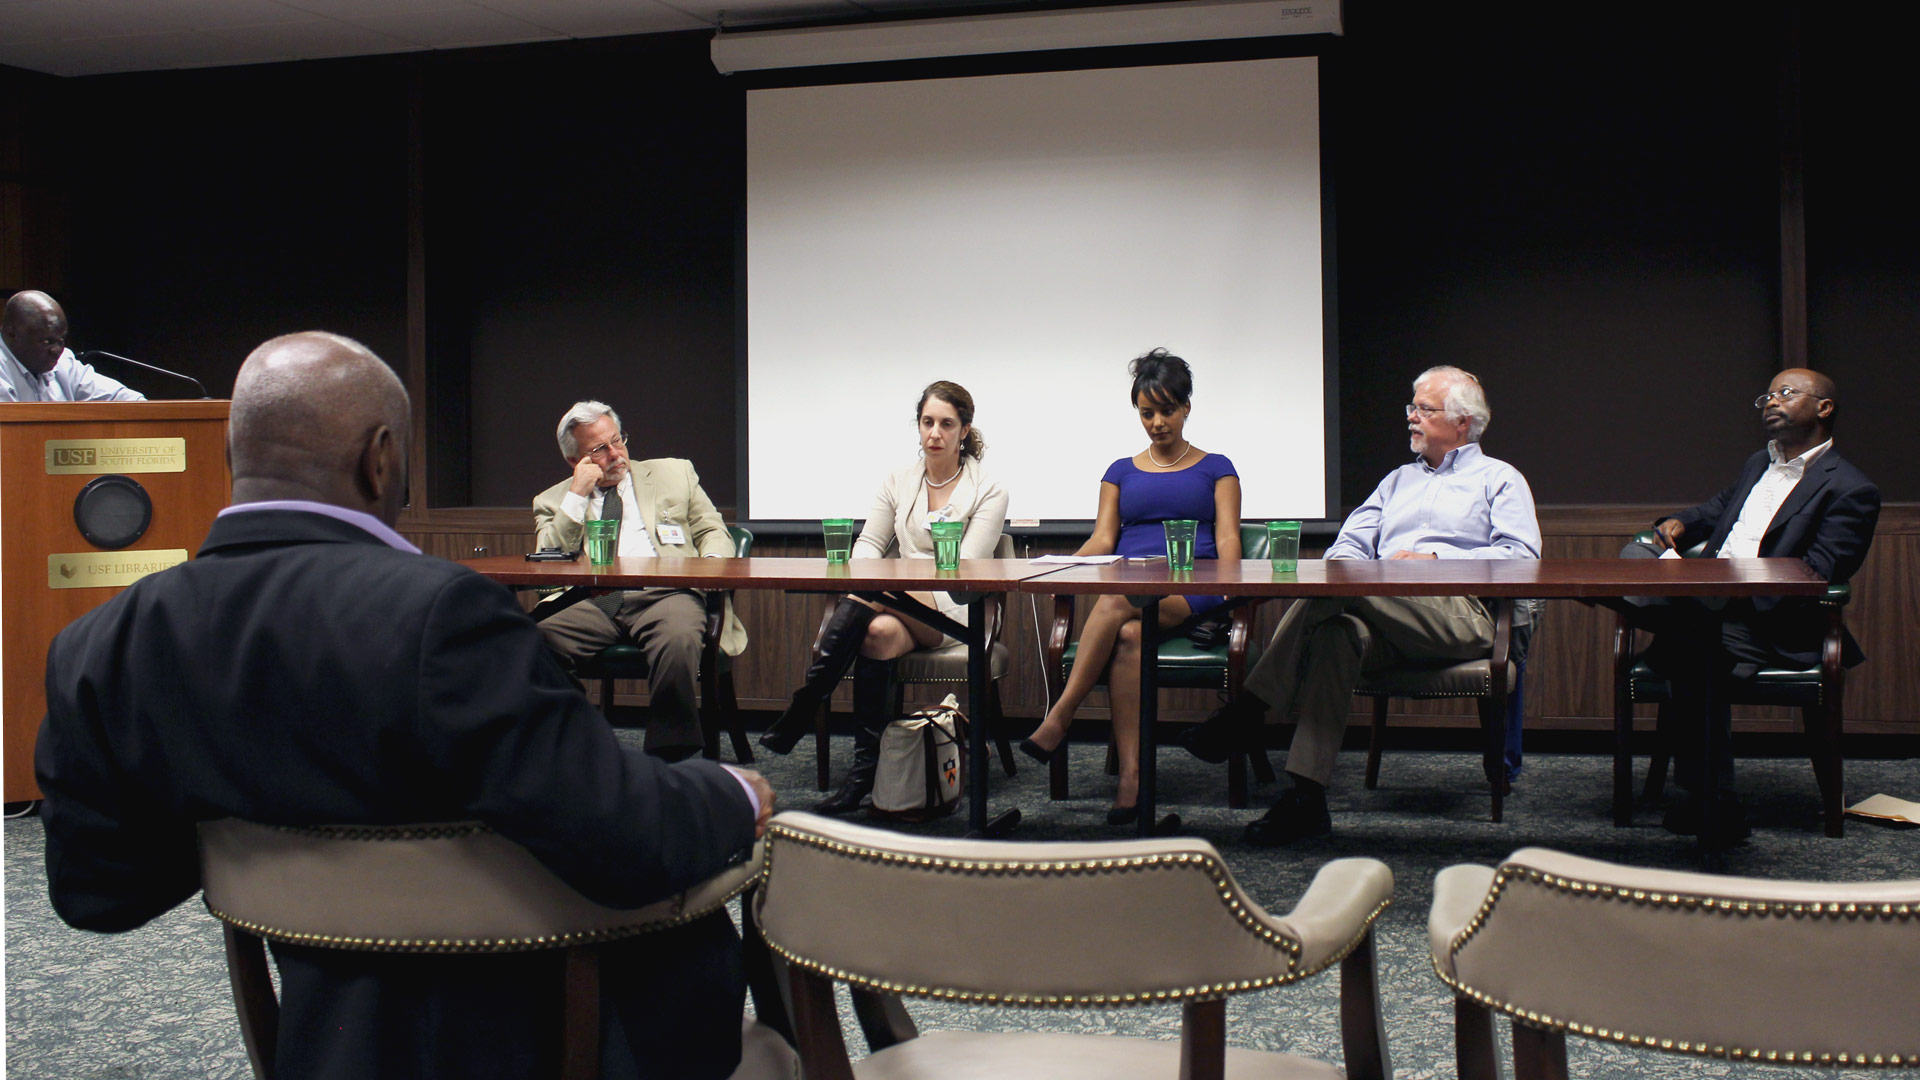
[363, 521]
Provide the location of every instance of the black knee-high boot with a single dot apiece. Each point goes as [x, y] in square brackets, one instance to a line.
[839, 647]
[872, 709]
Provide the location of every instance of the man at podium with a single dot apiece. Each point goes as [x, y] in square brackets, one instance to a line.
[35, 363]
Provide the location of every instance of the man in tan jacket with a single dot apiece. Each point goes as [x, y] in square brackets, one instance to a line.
[663, 512]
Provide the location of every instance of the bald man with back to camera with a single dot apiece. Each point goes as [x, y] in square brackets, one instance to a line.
[310, 667]
[35, 363]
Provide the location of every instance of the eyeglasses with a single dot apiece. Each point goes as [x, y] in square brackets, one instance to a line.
[618, 442]
[1785, 395]
[1423, 410]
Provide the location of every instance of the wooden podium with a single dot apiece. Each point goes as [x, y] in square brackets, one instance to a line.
[50, 572]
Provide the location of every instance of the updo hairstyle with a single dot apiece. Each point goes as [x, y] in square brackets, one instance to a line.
[1163, 377]
[975, 444]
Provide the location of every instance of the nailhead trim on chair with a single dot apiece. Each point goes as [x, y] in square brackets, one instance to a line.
[453, 945]
[1130, 864]
[1723, 906]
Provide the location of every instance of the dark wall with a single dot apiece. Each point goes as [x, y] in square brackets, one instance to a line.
[1585, 216]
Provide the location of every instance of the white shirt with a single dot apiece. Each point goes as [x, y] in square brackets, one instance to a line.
[70, 380]
[634, 541]
[1764, 500]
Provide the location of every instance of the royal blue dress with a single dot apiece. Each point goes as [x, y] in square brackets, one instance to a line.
[1149, 499]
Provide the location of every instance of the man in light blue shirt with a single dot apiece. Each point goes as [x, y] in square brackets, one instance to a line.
[35, 363]
[1451, 502]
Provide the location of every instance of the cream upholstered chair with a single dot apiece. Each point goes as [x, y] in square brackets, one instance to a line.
[1053, 925]
[1788, 972]
[444, 888]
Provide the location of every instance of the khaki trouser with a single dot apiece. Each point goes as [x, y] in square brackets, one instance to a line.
[1323, 646]
[667, 624]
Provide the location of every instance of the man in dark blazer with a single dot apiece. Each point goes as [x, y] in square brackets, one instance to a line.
[1797, 498]
[309, 666]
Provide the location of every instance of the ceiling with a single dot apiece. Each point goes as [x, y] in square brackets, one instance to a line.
[95, 37]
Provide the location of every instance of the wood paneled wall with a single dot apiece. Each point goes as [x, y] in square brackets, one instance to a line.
[1568, 679]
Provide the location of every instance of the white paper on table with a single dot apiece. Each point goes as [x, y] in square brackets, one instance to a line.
[1670, 553]
[1078, 560]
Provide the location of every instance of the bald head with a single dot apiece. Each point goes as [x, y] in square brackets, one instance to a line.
[35, 330]
[1798, 410]
[318, 416]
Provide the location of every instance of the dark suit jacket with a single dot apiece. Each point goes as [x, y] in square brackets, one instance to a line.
[300, 671]
[1827, 520]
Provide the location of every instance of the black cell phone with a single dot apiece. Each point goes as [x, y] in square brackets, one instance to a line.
[552, 555]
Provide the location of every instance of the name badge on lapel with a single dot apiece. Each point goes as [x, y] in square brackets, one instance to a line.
[671, 534]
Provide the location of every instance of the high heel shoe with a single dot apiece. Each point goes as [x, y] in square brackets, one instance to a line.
[1123, 815]
[1035, 751]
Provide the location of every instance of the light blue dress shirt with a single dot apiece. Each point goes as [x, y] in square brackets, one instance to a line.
[1471, 507]
[70, 380]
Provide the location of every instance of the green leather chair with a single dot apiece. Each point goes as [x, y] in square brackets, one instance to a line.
[719, 708]
[1183, 666]
[1816, 691]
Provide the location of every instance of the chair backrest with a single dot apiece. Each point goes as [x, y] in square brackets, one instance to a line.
[1812, 973]
[928, 917]
[454, 887]
[742, 541]
[1253, 541]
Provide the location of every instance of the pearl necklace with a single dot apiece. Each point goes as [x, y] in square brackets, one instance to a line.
[956, 475]
[1175, 461]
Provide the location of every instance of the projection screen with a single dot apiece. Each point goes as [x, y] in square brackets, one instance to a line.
[1026, 235]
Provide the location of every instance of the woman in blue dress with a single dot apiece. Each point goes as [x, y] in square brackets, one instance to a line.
[1171, 479]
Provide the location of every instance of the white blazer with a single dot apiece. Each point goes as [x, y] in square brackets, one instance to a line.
[899, 519]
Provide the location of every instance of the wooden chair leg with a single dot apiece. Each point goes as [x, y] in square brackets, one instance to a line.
[1823, 736]
[606, 700]
[1113, 758]
[1475, 1050]
[1363, 1030]
[1262, 768]
[1539, 1054]
[998, 722]
[253, 999]
[1203, 1040]
[736, 724]
[711, 717]
[1057, 787]
[580, 1020]
[816, 1023]
[822, 752]
[1493, 730]
[1377, 742]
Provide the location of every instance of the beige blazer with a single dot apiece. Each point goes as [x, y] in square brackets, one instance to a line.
[665, 490]
[899, 519]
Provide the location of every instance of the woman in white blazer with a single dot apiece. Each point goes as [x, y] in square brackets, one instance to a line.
[946, 483]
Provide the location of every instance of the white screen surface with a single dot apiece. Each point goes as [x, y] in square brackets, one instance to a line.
[1025, 236]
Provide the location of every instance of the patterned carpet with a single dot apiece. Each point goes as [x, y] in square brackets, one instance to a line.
[153, 1004]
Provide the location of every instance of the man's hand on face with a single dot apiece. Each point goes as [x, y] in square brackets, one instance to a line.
[1667, 533]
[1412, 555]
[586, 477]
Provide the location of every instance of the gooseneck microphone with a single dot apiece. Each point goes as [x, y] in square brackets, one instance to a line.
[91, 354]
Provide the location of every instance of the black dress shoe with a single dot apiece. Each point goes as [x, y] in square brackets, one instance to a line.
[1035, 751]
[675, 753]
[1233, 727]
[848, 798]
[1294, 817]
[1122, 815]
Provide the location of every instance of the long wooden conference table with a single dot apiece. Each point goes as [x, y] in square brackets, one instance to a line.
[888, 581]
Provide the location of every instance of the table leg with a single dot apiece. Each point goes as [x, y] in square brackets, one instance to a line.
[1149, 711]
[977, 729]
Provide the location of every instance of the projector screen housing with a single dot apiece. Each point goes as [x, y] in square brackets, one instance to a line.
[1026, 235]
